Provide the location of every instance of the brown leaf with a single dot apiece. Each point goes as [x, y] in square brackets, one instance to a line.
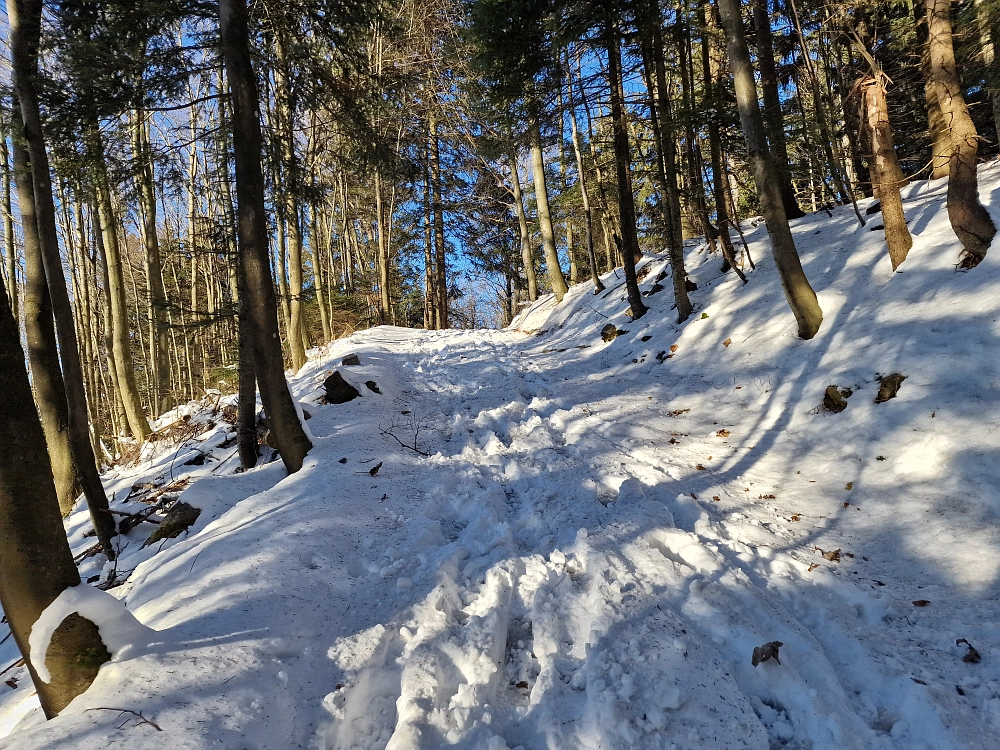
[921, 603]
[833, 555]
[374, 470]
[812, 567]
[699, 467]
[766, 652]
[766, 497]
[694, 496]
[673, 347]
[678, 412]
[722, 433]
[796, 517]
[846, 505]
[849, 486]
[727, 342]
[716, 498]
[919, 682]
[673, 442]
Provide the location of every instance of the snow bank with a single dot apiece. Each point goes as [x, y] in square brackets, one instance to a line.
[119, 629]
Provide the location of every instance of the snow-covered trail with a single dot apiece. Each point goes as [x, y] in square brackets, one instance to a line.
[592, 537]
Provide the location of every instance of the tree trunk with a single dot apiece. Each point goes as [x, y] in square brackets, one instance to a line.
[588, 216]
[527, 258]
[773, 119]
[626, 200]
[24, 30]
[385, 299]
[800, 295]
[437, 208]
[38, 564]
[664, 138]
[43, 350]
[937, 124]
[885, 168]
[710, 70]
[160, 341]
[10, 249]
[971, 222]
[556, 277]
[259, 290]
[121, 341]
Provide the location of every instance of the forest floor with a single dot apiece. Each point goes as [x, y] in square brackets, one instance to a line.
[592, 537]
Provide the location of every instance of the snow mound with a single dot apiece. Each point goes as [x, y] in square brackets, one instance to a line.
[121, 632]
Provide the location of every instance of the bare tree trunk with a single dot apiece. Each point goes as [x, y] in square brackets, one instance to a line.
[160, 341]
[527, 257]
[664, 138]
[440, 258]
[937, 123]
[588, 216]
[43, 349]
[385, 309]
[626, 201]
[286, 135]
[556, 277]
[258, 287]
[885, 168]
[10, 249]
[121, 343]
[38, 564]
[24, 19]
[773, 119]
[971, 222]
[800, 295]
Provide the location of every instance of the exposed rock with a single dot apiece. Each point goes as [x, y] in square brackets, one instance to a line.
[874, 208]
[835, 399]
[888, 386]
[351, 360]
[372, 386]
[654, 289]
[179, 518]
[338, 390]
[690, 285]
[610, 332]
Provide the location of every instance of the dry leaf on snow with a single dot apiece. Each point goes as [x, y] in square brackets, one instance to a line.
[921, 603]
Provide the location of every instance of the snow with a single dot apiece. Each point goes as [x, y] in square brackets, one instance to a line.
[600, 533]
[121, 633]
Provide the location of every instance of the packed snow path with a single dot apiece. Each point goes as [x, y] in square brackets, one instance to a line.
[584, 541]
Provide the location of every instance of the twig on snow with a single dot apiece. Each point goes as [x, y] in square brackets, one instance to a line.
[142, 719]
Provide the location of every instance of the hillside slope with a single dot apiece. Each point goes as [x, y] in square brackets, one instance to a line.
[590, 538]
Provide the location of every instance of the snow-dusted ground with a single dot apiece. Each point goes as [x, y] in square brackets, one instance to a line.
[600, 534]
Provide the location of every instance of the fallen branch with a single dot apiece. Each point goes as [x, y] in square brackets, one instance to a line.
[143, 719]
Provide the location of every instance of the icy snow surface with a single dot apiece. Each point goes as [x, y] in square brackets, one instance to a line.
[601, 532]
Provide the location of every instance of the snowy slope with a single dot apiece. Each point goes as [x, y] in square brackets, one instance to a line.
[601, 533]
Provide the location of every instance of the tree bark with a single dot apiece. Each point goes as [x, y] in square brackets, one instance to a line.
[24, 18]
[527, 258]
[437, 209]
[160, 340]
[664, 138]
[937, 124]
[43, 349]
[588, 216]
[885, 168]
[970, 220]
[289, 434]
[800, 295]
[626, 199]
[556, 277]
[121, 340]
[773, 118]
[37, 563]
[10, 249]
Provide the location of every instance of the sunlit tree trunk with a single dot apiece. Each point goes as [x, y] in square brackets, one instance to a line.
[800, 295]
[289, 434]
[556, 277]
[24, 31]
